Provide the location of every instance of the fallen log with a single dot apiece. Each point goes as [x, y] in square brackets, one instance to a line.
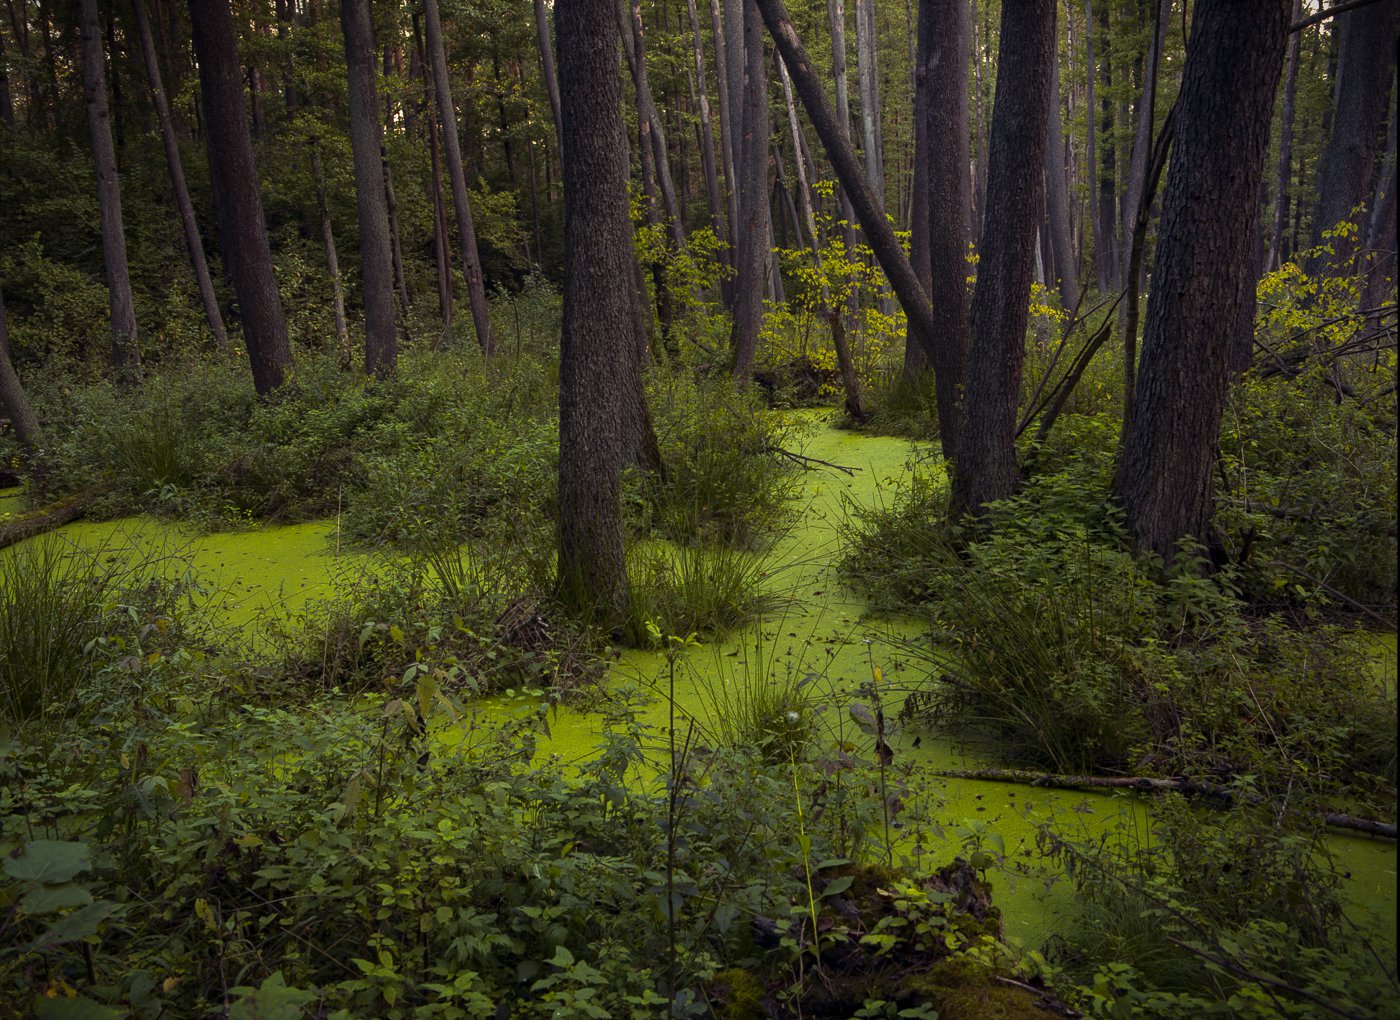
[46, 518]
[1148, 784]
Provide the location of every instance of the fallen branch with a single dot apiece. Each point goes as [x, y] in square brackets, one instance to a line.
[46, 518]
[806, 462]
[1148, 784]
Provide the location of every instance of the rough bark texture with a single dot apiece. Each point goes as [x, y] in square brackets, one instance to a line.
[914, 362]
[126, 354]
[376, 251]
[597, 345]
[234, 173]
[879, 234]
[13, 400]
[985, 466]
[1234, 59]
[1347, 175]
[944, 23]
[194, 242]
[754, 225]
[452, 149]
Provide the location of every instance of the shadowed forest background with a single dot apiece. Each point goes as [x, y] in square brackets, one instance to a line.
[715, 508]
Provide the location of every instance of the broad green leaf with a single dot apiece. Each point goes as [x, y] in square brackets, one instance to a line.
[77, 925]
[73, 1007]
[45, 899]
[50, 861]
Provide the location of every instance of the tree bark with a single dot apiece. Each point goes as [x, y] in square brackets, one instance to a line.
[726, 136]
[323, 208]
[194, 242]
[234, 173]
[597, 348]
[371, 203]
[466, 229]
[919, 223]
[944, 23]
[1232, 68]
[391, 206]
[1057, 199]
[629, 13]
[1285, 146]
[13, 400]
[1106, 189]
[1096, 228]
[879, 233]
[126, 354]
[985, 468]
[754, 223]
[867, 72]
[1347, 177]
[551, 79]
[713, 199]
[442, 247]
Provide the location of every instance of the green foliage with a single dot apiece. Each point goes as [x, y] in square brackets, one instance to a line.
[697, 587]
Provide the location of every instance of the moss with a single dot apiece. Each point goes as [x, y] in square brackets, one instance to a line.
[739, 995]
[961, 988]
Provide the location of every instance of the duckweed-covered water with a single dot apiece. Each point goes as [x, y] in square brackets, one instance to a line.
[261, 578]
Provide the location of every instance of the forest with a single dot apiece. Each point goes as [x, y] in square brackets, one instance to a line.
[698, 508]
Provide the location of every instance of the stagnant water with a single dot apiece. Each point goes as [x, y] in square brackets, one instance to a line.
[259, 579]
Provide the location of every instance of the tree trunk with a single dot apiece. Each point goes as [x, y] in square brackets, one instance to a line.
[376, 247]
[1098, 236]
[238, 195]
[1137, 170]
[7, 102]
[126, 354]
[754, 223]
[442, 247]
[944, 24]
[629, 13]
[867, 72]
[1346, 178]
[879, 233]
[985, 467]
[1232, 68]
[466, 229]
[13, 400]
[323, 207]
[391, 206]
[597, 350]
[1057, 199]
[551, 80]
[919, 230]
[1106, 188]
[194, 242]
[727, 131]
[1285, 145]
[707, 131]
[850, 381]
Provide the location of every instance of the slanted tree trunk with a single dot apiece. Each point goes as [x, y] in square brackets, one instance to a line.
[194, 242]
[1233, 62]
[13, 400]
[754, 223]
[944, 25]
[850, 381]
[1347, 176]
[879, 233]
[707, 132]
[985, 468]
[597, 349]
[1285, 145]
[1057, 199]
[323, 208]
[371, 203]
[238, 195]
[629, 13]
[466, 229]
[551, 79]
[126, 354]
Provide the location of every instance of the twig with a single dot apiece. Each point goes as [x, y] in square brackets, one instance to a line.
[1387, 624]
[804, 461]
[1265, 979]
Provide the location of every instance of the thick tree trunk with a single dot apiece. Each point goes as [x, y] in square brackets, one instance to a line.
[194, 242]
[1285, 145]
[879, 233]
[598, 349]
[944, 24]
[376, 247]
[1232, 68]
[126, 354]
[754, 223]
[1066, 268]
[985, 468]
[466, 229]
[1347, 175]
[551, 79]
[323, 208]
[13, 400]
[238, 195]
